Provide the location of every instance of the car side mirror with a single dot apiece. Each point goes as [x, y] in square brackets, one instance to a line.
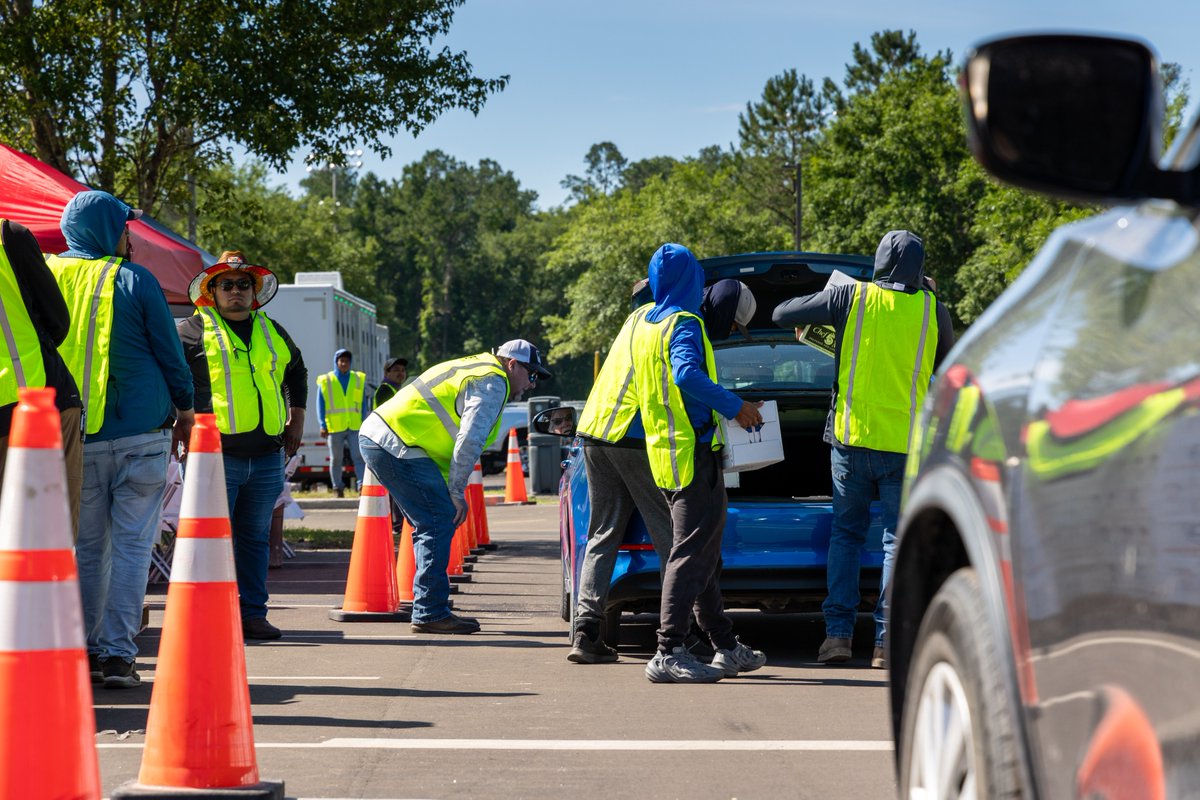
[559, 421]
[1076, 116]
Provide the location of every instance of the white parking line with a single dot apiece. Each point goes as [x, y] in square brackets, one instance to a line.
[811, 745]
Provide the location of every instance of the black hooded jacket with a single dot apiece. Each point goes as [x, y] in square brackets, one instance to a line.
[899, 267]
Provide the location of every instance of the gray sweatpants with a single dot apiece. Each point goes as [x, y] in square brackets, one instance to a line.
[692, 576]
[619, 483]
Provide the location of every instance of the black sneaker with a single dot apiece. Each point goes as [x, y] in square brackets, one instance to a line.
[120, 674]
[450, 624]
[96, 668]
[258, 628]
[591, 651]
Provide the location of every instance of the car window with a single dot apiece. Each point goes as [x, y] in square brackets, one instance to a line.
[773, 366]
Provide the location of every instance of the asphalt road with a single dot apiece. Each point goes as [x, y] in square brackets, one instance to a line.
[371, 710]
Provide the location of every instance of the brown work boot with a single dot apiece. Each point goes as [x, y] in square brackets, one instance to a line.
[834, 651]
[341, 493]
[879, 658]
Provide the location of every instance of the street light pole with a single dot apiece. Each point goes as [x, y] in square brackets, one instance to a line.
[799, 212]
[332, 168]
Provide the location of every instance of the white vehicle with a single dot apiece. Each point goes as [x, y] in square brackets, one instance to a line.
[321, 317]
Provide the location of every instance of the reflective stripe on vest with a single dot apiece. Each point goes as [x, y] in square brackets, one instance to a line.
[343, 409]
[670, 438]
[87, 286]
[884, 368]
[611, 406]
[424, 413]
[243, 381]
[21, 364]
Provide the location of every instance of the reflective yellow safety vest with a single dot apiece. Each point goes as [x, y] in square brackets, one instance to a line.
[245, 381]
[612, 403]
[884, 367]
[424, 413]
[670, 438]
[343, 409]
[21, 360]
[87, 286]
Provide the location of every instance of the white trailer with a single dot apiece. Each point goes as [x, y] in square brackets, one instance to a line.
[322, 318]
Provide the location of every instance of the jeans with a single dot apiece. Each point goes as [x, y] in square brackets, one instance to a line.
[119, 509]
[856, 476]
[337, 443]
[619, 483]
[252, 485]
[418, 488]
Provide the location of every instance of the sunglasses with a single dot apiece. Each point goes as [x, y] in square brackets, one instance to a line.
[532, 377]
[229, 285]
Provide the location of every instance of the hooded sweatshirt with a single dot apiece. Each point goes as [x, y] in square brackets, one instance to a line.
[343, 378]
[899, 267]
[677, 281]
[147, 375]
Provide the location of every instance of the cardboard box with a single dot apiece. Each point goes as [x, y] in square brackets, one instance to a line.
[821, 337]
[747, 450]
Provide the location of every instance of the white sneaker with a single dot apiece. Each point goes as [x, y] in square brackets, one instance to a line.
[680, 666]
[739, 658]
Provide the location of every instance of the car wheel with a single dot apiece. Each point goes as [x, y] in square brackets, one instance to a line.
[612, 626]
[958, 737]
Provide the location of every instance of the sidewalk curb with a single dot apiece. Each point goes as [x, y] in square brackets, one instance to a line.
[327, 502]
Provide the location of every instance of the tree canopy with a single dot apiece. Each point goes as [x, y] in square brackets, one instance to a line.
[131, 97]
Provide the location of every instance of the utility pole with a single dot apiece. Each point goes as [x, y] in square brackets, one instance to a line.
[799, 212]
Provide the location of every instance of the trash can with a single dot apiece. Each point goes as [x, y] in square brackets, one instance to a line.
[545, 450]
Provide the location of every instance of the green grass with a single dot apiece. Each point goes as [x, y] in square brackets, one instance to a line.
[317, 539]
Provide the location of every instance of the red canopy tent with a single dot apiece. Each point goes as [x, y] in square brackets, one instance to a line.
[34, 194]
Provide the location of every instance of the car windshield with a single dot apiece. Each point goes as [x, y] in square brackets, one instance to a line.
[773, 366]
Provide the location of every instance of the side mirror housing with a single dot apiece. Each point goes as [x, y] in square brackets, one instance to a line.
[1074, 116]
[559, 421]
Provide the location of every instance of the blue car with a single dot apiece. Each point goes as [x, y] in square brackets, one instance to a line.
[777, 532]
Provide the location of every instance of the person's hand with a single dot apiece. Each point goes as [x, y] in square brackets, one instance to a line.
[749, 415]
[181, 434]
[460, 509]
[799, 333]
[293, 432]
[324, 431]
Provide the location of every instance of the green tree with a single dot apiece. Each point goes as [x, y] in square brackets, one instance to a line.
[773, 134]
[609, 240]
[133, 96]
[894, 158]
[604, 174]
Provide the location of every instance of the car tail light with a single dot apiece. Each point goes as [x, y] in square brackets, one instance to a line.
[628, 547]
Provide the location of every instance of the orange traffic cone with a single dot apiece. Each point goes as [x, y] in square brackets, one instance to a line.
[47, 729]
[456, 570]
[372, 594]
[478, 507]
[199, 734]
[406, 566]
[514, 479]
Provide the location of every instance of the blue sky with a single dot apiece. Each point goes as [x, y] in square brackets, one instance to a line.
[668, 77]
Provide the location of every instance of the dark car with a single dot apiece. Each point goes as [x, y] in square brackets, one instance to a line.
[776, 536]
[1045, 636]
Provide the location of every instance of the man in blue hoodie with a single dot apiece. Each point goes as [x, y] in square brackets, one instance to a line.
[136, 388]
[341, 398]
[898, 334]
[674, 377]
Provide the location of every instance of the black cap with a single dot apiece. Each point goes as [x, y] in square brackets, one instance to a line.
[391, 362]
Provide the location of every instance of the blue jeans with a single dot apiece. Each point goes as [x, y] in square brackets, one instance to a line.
[253, 485]
[856, 476]
[119, 508]
[337, 443]
[418, 488]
